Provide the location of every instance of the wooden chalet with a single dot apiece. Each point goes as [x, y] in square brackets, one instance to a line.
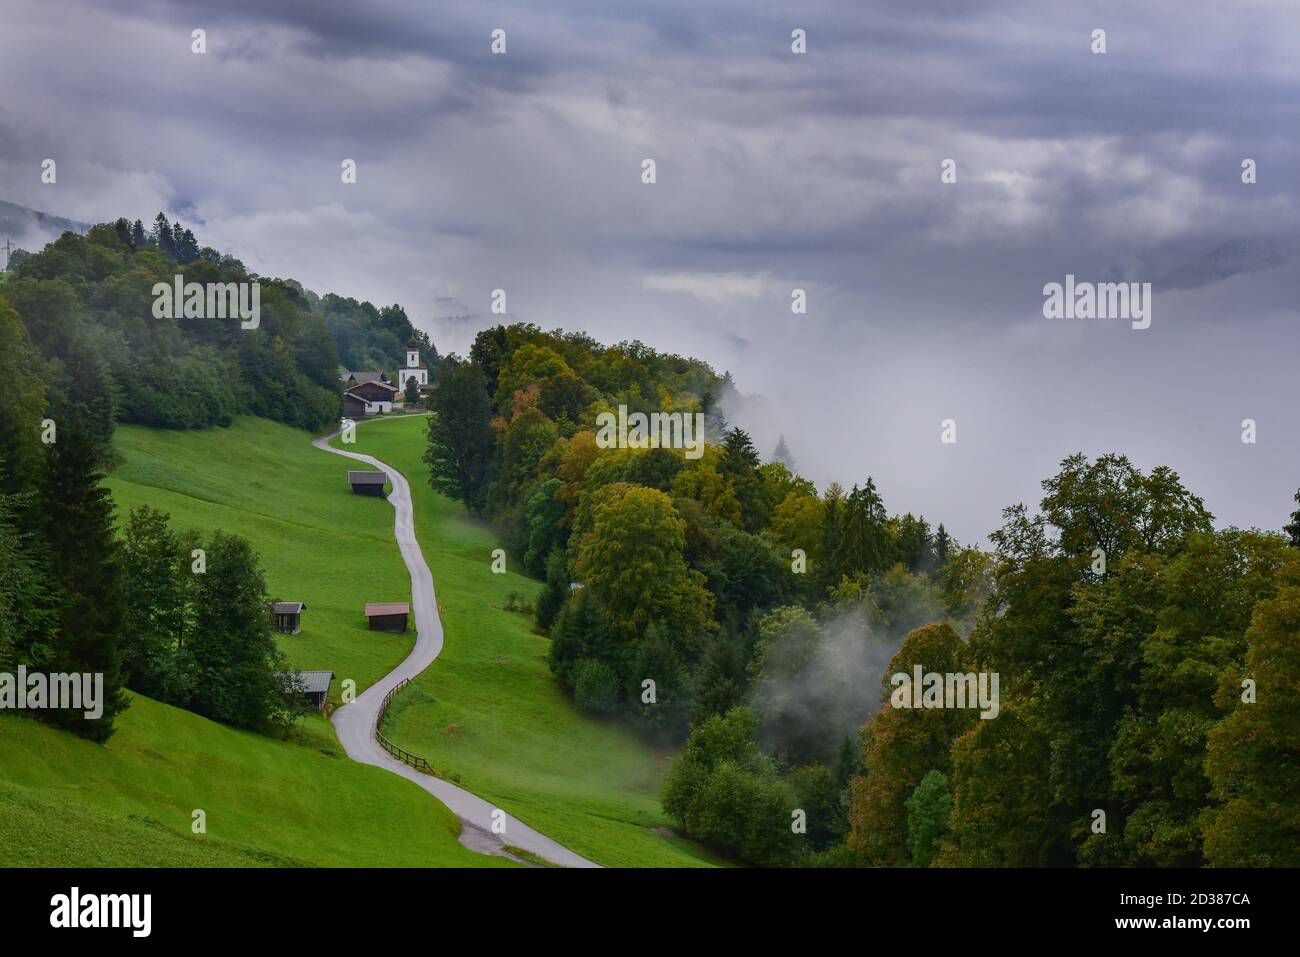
[388, 617]
[369, 398]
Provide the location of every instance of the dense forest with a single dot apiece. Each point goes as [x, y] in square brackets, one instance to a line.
[1147, 661]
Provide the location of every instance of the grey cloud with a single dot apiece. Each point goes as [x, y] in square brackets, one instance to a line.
[775, 171]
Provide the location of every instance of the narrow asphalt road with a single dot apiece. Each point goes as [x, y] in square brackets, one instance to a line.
[355, 722]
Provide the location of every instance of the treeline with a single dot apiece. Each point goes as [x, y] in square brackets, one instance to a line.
[723, 600]
[181, 619]
[89, 300]
[1148, 714]
[680, 588]
[369, 338]
[197, 631]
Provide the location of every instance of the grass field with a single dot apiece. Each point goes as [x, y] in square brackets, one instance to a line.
[318, 542]
[489, 710]
[65, 802]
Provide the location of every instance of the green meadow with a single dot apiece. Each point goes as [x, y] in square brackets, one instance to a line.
[317, 541]
[490, 712]
[487, 711]
[65, 801]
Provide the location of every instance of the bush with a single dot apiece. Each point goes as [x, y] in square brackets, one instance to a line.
[595, 687]
[724, 791]
[515, 601]
[553, 596]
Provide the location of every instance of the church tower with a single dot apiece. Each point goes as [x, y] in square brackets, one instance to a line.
[414, 368]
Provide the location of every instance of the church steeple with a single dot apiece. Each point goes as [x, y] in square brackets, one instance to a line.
[413, 369]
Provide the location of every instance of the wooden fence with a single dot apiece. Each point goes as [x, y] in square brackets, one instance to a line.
[414, 760]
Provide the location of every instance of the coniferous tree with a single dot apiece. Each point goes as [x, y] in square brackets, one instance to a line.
[163, 237]
[862, 549]
[1292, 529]
[782, 455]
[77, 512]
[28, 605]
[462, 448]
[721, 681]
[715, 420]
[942, 546]
[138, 238]
[122, 229]
[740, 462]
[189, 247]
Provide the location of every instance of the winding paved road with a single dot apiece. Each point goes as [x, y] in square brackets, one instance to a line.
[355, 722]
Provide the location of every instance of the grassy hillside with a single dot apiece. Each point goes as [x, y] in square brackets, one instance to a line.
[66, 802]
[318, 542]
[489, 710]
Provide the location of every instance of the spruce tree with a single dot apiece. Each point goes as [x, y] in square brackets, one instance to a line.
[163, 236]
[782, 455]
[27, 601]
[942, 546]
[1292, 530]
[863, 547]
[83, 553]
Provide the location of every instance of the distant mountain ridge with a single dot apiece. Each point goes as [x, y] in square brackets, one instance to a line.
[1232, 258]
[30, 228]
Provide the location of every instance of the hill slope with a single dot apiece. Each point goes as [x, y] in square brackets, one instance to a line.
[318, 542]
[65, 801]
[489, 709]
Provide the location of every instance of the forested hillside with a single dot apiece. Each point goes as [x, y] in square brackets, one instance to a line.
[82, 348]
[722, 601]
[89, 301]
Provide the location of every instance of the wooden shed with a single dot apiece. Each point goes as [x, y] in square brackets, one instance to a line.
[389, 617]
[367, 483]
[315, 686]
[354, 405]
[288, 616]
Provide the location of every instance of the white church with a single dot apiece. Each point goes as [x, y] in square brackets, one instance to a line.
[414, 368]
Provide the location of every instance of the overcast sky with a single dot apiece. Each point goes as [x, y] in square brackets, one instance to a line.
[775, 171]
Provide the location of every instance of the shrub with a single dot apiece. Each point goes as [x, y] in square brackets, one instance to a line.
[595, 687]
